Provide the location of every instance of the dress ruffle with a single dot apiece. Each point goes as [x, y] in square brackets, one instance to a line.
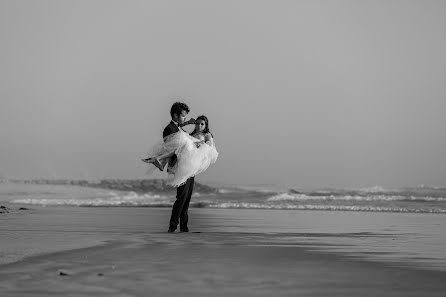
[191, 160]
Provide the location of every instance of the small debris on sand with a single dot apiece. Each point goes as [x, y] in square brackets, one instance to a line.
[63, 272]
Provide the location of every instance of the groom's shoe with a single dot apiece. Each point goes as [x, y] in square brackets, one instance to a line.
[171, 230]
[184, 229]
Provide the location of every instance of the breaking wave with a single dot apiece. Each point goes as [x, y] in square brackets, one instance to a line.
[115, 199]
[304, 197]
[244, 205]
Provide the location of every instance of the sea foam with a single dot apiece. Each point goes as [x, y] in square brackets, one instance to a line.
[304, 197]
[115, 199]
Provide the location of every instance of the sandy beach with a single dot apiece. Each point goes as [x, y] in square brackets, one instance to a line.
[85, 251]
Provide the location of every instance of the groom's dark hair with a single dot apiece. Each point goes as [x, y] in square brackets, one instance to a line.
[178, 107]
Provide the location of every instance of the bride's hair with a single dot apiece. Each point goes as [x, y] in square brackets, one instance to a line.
[206, 129]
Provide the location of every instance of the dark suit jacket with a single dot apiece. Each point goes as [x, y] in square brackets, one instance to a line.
[170, 129]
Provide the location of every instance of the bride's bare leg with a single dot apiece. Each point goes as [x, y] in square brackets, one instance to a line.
[156, 161]
[166, 155]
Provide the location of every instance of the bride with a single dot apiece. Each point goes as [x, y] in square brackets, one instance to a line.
[195, 152]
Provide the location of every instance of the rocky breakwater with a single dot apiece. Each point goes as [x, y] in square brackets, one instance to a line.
[135, 185]
[146, 185]
[5, 209]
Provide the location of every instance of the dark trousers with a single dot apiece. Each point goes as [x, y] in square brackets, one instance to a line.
[181, 205]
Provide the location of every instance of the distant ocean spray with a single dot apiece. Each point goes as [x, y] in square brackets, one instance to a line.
[154, 193]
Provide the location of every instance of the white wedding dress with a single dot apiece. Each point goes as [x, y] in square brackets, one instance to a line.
[191, 160]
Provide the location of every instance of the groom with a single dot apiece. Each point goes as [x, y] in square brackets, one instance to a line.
[178, 112]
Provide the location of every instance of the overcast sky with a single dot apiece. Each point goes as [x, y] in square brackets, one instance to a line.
[298, 93]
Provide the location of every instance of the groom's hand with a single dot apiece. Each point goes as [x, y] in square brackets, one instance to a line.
[189, 122]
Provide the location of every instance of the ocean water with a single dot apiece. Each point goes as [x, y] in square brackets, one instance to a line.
[406, 225]
[376, 199]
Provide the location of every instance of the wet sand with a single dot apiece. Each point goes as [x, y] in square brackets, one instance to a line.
[126, 252]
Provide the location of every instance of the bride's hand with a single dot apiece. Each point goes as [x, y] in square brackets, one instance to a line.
[198, 143]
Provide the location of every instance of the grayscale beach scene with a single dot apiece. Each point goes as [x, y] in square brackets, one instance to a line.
[232, 148]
